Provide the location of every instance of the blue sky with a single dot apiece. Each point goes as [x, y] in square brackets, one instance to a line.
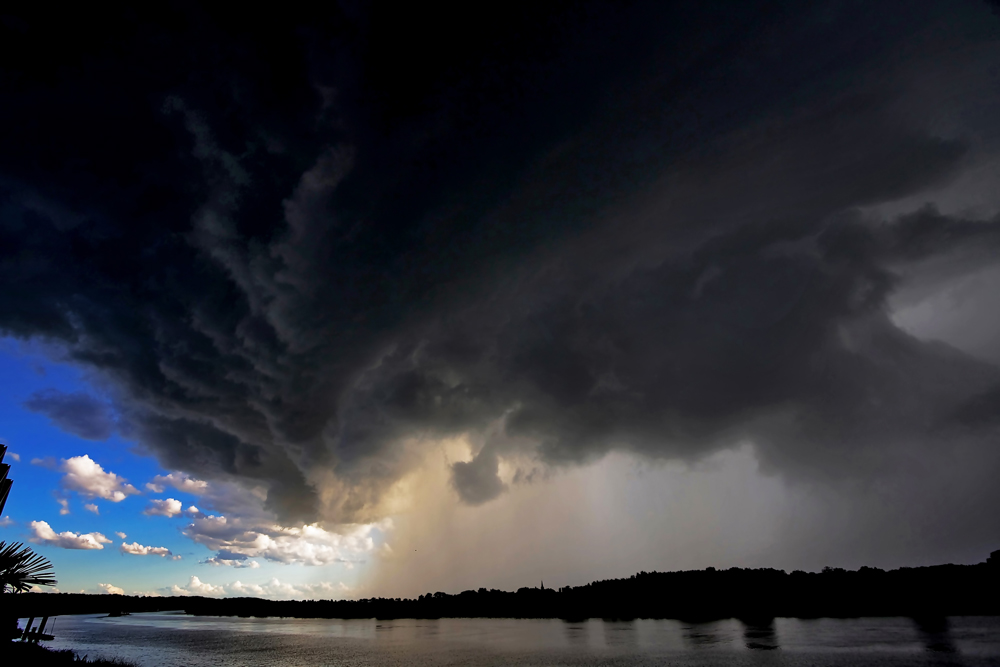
[41, 494]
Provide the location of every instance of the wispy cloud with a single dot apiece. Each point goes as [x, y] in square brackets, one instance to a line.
[48, 462]
[77, 413]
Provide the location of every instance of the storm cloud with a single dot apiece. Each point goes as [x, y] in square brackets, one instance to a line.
[77, 413]
[300, 247]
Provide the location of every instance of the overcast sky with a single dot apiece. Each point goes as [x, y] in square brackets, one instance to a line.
[370, 300]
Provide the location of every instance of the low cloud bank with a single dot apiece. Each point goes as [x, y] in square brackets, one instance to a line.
[271, 589]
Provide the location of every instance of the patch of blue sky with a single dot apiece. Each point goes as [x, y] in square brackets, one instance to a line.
[28, 368]
[36, 491]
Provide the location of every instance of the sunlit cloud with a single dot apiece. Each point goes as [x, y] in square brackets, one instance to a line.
[137, 549]
[88, 478]
[110, 589]
[273, 588]
[169, 508]
[196, 586]
[43, 534]
[179, 481]
[92, 507]
[308, 544]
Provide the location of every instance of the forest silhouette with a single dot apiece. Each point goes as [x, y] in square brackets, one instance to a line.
[749, 594]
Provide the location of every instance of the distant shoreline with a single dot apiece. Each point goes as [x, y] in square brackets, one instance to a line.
[941, 590]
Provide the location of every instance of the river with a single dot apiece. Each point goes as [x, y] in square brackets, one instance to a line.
[173, 638]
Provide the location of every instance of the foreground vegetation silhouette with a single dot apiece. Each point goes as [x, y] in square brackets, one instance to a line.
[921, 592]
[19, 653]
[21, 569]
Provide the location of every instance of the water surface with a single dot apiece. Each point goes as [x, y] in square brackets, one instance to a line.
[172, 638]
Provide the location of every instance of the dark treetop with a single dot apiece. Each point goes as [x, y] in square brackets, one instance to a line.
[941, 590]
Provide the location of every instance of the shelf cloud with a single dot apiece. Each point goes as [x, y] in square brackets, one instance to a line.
[669, 231]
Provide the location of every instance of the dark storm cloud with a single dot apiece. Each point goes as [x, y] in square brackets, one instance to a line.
[77, 413]
[296, 242]
[476, 481]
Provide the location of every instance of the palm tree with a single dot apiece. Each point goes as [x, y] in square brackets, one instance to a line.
[21, 568]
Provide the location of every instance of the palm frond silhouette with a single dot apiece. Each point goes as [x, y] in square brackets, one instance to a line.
[21, 568]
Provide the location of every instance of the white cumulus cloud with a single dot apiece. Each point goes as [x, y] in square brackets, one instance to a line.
[87, 477]
[232, 562]
[120, 534]
[270, 589]
[92, 507]
[6, 521]
[64, 510]
[46, 589]
[137, 549]
[307, 544]
[110, 589]
[196, 586]
[43, 534]
[168, 508]
[179, 481]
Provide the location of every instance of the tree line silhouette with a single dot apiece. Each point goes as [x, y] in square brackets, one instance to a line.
[923, 592]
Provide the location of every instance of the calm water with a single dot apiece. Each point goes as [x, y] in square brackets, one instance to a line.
[175, 639]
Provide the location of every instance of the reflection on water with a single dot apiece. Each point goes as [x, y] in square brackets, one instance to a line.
[702, 634]
[577, 634]
[427, 628]
[175, 639]
[934, 633]
[620, 633]
[759, 634]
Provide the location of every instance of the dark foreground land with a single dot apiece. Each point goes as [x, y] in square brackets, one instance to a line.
[942, 590]
[19, 653]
